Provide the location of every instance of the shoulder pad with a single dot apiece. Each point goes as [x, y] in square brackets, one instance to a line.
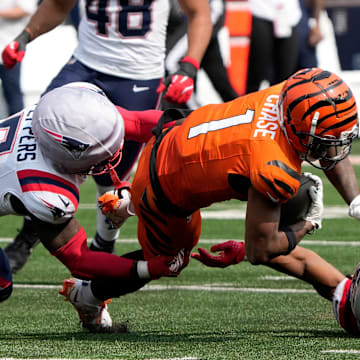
[49, 207]
[48, 197]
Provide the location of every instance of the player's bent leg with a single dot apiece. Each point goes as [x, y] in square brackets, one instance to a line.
[19, 250]
[86, 264]
[106, 288]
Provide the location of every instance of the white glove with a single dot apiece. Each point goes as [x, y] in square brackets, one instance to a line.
[354, 207]
[316, 209]
[116, 205]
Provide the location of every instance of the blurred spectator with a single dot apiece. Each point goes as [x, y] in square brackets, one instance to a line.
[310, 32]
[213, 62]
[13, 17]
[274, 41]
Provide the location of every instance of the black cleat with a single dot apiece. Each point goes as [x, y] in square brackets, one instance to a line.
[99, 244]
[19, 250]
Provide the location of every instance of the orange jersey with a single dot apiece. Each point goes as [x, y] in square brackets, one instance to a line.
[221, 149]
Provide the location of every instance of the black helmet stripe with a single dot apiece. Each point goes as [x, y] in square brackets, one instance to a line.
[322, 75]
[340, 124]
[308, 96]
[320, 104]
[336, 113]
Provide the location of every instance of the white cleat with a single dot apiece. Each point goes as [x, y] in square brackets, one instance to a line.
[95, 318]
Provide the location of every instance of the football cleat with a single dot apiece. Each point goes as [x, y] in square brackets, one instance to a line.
[95, 318]
[19, 250]
[99, 244]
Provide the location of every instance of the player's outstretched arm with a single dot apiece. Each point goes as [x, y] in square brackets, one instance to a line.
[178, 87]
[48, 15]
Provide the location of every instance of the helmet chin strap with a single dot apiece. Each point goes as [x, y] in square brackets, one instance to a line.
[115, 178]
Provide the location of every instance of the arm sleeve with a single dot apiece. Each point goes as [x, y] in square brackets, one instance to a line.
[138, 124]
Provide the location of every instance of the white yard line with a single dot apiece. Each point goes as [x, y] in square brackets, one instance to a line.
[330, 212]
[340, 351]
[215, 288]
[182, 358]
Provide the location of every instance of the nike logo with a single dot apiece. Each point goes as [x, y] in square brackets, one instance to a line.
[140, 88]
[66, 203]
[275, 200]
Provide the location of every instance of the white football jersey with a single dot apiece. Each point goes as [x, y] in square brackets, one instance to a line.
[124, 38]
[47, 194]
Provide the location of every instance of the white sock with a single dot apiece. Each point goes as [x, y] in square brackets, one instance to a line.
[87, 296]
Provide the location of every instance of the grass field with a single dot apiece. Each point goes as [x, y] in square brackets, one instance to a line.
[242, 312]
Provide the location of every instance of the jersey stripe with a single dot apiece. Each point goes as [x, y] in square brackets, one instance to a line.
[34, 180]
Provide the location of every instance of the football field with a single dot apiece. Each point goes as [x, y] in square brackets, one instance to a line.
[241, 312]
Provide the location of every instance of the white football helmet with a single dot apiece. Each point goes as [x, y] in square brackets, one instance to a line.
[79, 129]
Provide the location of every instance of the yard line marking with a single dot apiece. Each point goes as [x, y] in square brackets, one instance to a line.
[330, 212]
[341, 351]
[215, 241]
[278, 278]
[182, 358]
[188, 288]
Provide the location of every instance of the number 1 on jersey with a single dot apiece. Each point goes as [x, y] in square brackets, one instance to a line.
[216, 125]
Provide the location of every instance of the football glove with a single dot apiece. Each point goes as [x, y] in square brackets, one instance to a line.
[180, 85]
[14, 52]
[116, 205]
[316, 210]
[162, 265]
[354, 207]
[231, 252]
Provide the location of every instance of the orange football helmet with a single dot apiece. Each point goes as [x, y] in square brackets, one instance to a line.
[318, 114]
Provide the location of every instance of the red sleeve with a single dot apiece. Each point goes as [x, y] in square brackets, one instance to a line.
[138, 124]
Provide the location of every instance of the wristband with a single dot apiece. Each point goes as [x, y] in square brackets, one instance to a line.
[192, 61]
[291, 239]
[24, 37]
[143, 270]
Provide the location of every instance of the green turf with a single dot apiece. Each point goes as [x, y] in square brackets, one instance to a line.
[196, 324]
